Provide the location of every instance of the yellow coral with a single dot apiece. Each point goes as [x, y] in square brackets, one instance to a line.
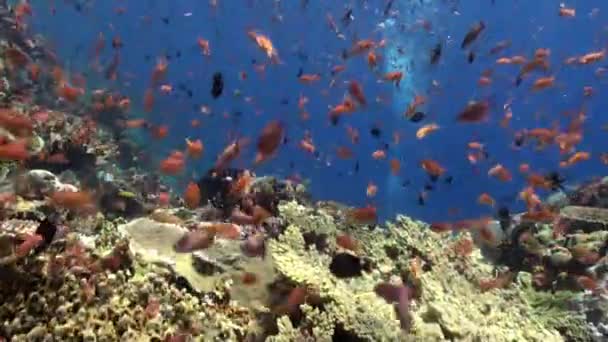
[451, 305]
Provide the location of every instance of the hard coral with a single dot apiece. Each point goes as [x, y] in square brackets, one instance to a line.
[448, 303]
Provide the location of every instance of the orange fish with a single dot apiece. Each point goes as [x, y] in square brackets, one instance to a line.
[31, 241]
[474, 112]
[72, 200]
[71, 94]
[361, 46]
[192, 196]
[347, 106]
[160, 132]
[432, 168]
[223, 230]
[148, 100]
[307, 145]
[567, 12]
[395, 166]
[344, 152]
[34, 71]
[500, 172]
[135, 123]
[371, 190]
[575, 158]
[543, 83]
[194, 148]
[592, 57]
[347, 242]
[14, 122]
[265, 44]
[356, 91]
[379, 154]
[337, 69]
[230, 152]
[353, 134]
[310, 78]
[365, 215]
[242, 184]
[16, 150]
[426, 130]
[269, 141]
[204, 46]
[160, 70]
[485, 199]
[174, 164]
[372, 59]
[394, 76]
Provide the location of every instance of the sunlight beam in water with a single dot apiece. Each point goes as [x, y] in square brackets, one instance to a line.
[398, 59]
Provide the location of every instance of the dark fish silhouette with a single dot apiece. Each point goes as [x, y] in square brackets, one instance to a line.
[436, 53]
[472, 34]
[218, 85]
[471, 57]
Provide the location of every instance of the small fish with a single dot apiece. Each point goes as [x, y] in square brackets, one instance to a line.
[436, 54]
[473, 34]
[475, 111]
[218, 85]
[192, 196]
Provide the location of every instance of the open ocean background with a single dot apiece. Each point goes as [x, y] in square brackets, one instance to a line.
[149, 29]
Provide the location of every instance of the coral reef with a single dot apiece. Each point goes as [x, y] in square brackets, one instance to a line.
[451, 305]
[141, 304]
[95, 247]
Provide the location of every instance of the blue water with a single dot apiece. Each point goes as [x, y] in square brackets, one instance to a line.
[303, 40]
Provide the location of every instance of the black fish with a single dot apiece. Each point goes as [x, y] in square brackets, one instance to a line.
[375, 132]
[421, 200]
[387, 9]
[344, 265]
[300, 72]
[417, 117]
[218, 85]
[111, 69]
[504, 217]
[471, 57]
[557, 181]
[436, 53]
[348, 17]
[472, 35]
[117, 43]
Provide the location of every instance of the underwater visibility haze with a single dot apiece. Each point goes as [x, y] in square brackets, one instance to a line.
[306, 170]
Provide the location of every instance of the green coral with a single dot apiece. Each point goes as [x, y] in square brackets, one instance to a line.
[553, 310]
[450, 306]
